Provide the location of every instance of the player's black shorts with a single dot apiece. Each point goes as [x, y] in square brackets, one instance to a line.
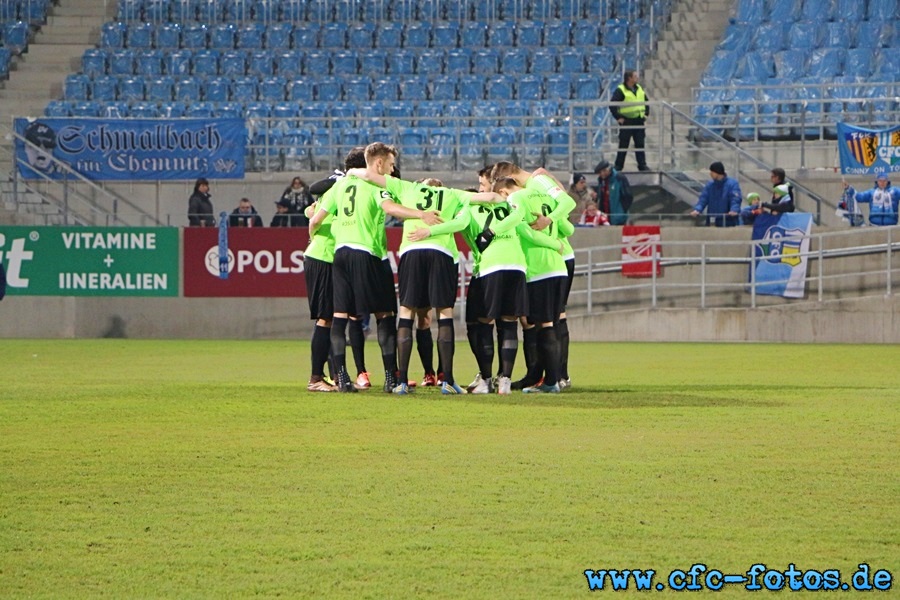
[545, 299]
[474, 300]
[504, 294]
[319, 288]
[567, 289]
[362, 284]
[428, 278]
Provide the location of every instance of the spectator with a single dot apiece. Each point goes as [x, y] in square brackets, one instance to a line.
[591, 216]
[753, 208]
[778, 177]
[581, 194]
[723, 197]
[283, 216]
[613, 193]
[298, 196]
[631, 118]
[883, 200]
[200, 208]
[781, 200]
[245, 215]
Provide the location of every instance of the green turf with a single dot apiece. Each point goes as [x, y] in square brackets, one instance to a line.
[204, 469]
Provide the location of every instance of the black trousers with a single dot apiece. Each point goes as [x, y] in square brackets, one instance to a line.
[632, 129]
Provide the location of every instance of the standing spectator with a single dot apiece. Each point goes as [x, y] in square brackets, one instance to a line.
[245, 215]
[592, 216]
[779, 177]
[283, 216]
[722, 194]
[631, 118]
[581, 194]
[613, 193]
[781, 200]
[298, 197]
[883, 198]
[200, 208]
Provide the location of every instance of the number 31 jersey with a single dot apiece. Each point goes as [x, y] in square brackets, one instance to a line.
[448, 202]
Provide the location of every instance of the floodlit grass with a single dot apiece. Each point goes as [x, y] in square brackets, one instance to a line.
[204, 469]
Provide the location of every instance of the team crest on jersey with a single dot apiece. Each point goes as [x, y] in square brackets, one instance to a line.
[778, 249]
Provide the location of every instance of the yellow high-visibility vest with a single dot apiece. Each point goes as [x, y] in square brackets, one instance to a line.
[636, 109]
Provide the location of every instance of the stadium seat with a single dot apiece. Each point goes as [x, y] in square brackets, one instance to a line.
[501, 34]
[516, 113]
[615, 32]
[210, 11]
[344, 112]
[93, 62]
[414, 88]
[558, 86]
[430, 62]
[205, 63]
[233, 63]
[445, 34]
[459, 61]
[217, 89]
[187, 89]
[514, 60]
[859, 62]
[228, 110]
[316, 63]
[790, 64]
[357, 89]
[369, 114]
[398, 114]
[278, 36]
[121, 62]
[805, 34]
[530, 87]
[457, 113]
[143, 110]
[543, 60]
[157, 11]
[501, 87]
[501, 142]
[257, 110]
[756, 66]
[168, 36]
[249, 36]
[417, 34]
[289, 63]
[441, 145]
[328, 89]
[413, 144]
[486, 114]
[361, 36]
[114, 110]
[826, 62]
[139, 36]
[333, 36]
[149, 63]
[272, 89]
[346, 10]
[222, 36]
[265, 11]
[873, 34]
[261, 63]
[305, 36]
[386, 135]
[104, 88]
[529, 33]
[737, 38]
[443, 88]
[887, 66]
[472, 142]
[296, 154]
[545, 110]
[373, 63]
[586, 87]
[286, 114]
[344, 62]
[194, 36]
[161, 89]
[585, 34]
[558, 155]
[428, 114]
[301, 90]
[112, 34]
[852, 11]
[178, 62]
[388, 35]
[314, 111]
[882, 10]
[470, 87]
[130, 89]
[402, 62]
[57, 108]
[385, 89]
[486, 61]
[601, 60]
[530, 150]
[557, 32]
[786, 11]
[571, 60]
[86, 109]
[172, 110]
[473, 34]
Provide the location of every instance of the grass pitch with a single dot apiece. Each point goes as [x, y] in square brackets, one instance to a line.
[204, 469]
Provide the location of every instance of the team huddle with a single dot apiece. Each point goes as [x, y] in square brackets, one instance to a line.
[517, 227]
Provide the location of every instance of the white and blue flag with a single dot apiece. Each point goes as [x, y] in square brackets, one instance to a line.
[780, 252]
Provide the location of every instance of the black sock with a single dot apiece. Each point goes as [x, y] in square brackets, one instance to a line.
[358, 345]
[319, 349]
[425, 347]
[446, 345]
[499, 348]
[387, 339]
[404, 347]
[562, 332]
[548, 347]
[339, 348]
[530, 349]
[485, 350]
[509, 346]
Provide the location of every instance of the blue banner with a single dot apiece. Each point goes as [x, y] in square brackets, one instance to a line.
[132, 149]
[780, 253]
[868, 151]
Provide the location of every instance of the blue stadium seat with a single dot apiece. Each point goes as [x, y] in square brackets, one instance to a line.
[443, 88]
[445, 34]
[345, 112]
[250, 36]
[456, 113]
[775, 110]
[882, 10]
[168, 36]
[516, 113]
[402, 62]
[244, 89]
[287, 114]
[200, 110]
[514, 60]
[571, 60]
[257, 110]
[86, 109]
[301, 90]
[399, 114]
[500, 144]
[273, 89]
[265, 11]
[414, 88]
[459, 61]
[722, 65]
[557, 32]
[57, 108]
[15, 36]
[851, 10]
[859, 62]
[289, 63]
[790, 64]
[838, 34]
[357, 89]
[187, 89]
[430, 61]
[486, 114]
[586, 87]
[756, 66]
[346, 10]
[305, 36]
[361, 36]
[473, 34]
[805, 34]
[261, 63]
[709, 113]
[233, 63]
[601, 60]
[879, 99]
[785, 10]
[296, 154]
[586, 34]
[222, 36]
[558, 155]
[413, 143]
[172, 110]
[316, 63]
[470, 87]
[205, 63]
[114, 110]
[125, 9]
[826, 62]
[887, 66]
[194, 36]
[441, 144]
[149, 63]
[417, 34]
[278, 35]
[315, 111]
[737, 38]
[558, 86]
[809, 97]
[819, 10]
[529, 33]
[103, 88]
[294, 11]
[328, 89]
[388, 135]
[472, 142]
[543, 60]
[157, 11]
[178, 62]
[615, 32]
[139, 35]
[131, 89]
[740, 113]
[93, 62]
[542, 10]
[388, 35]
[501, 87]
[345, 62]
[217, 89]
[429, 113]
[530, 87]
[373, 63]
[161, 89]
[121, 62]
[873, 34]
[210, 11]
[546, 110]
[112, 34]
[369, 114]
[333, 35]
[143, 110]
[501, 34]
[385, 89]
[486, 61]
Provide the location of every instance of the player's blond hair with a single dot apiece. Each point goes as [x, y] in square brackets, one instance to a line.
[504, 169]
[379, 150]
[432, 181]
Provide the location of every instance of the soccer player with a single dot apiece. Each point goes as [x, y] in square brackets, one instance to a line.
[362, 285]
[428, 270]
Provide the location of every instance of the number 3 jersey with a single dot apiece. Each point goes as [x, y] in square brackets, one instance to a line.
[358, 219]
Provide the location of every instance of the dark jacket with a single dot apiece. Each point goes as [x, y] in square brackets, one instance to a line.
[618, 202]
[200, 210]
[236, 219]
[288, 220]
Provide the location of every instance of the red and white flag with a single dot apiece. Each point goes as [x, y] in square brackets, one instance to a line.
[638, 245]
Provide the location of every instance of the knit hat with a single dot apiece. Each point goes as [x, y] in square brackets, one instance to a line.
[781, 190]
[752, 197]
[578, 177]
[717, 167]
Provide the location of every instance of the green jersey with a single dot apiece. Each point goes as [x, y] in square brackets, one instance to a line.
[448, 202]
[358, 219]
[565, 204]
[541, 256]
[504, 253]
[321, 245]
